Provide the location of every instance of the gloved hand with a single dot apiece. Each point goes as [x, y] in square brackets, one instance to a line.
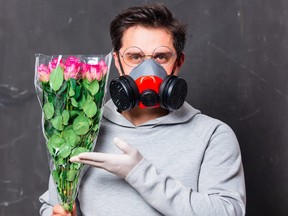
[58, 210]
[118, 164]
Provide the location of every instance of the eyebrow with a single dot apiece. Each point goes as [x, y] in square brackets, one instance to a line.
[163, 52]
[136, 52]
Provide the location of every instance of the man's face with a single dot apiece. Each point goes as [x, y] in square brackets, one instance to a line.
[147, 39]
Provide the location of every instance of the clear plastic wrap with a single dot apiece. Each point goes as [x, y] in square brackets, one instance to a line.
[71, 91]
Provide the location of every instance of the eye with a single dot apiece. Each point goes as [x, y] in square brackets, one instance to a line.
[133, 58]
[162, 58]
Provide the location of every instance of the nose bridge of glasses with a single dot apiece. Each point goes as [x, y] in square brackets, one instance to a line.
[144, 57]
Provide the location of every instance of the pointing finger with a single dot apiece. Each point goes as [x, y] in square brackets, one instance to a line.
[91, 156]
[124, 146]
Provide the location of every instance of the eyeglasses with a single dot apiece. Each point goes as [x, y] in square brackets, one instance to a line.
[133, 56]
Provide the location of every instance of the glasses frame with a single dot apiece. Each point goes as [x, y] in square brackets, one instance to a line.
[144, 56]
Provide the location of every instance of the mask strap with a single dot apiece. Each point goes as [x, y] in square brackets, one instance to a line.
[176, 63]
[174, 67]
[120, 64]
[172, 73]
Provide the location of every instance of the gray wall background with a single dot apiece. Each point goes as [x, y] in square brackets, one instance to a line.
[236, 68]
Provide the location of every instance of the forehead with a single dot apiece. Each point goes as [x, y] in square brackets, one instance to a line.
[147, 39]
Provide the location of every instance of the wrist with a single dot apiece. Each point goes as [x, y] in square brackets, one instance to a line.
[137, 166]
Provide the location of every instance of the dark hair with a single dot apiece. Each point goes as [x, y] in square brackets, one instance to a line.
[153, 15]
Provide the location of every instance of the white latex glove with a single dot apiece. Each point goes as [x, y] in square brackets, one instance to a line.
[118, 164]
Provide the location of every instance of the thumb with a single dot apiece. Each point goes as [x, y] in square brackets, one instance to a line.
[123, 146]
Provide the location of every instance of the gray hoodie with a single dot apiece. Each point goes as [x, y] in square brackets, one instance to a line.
[192, 166]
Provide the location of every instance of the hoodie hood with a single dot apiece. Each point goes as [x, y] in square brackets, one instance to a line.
[182, 115]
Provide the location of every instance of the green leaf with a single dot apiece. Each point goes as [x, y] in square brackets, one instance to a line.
[55, 141]
[50, 149]
[64, 150]
[88, 141]
[65, 117]
[86, 83]
[58, 102]
[69, 127]
[60, 162]
[74, 113]
[74, 102]
[99, 97]
[56, 78]
[89, 97]
[71, 92]
[81, 125]
[77, 92]
[81, 102]
[94, 87]
[78, 139]
[79, 150]
[90, 108]
[71, 174]
[55, 175]
[57, 123]
[72, 83]
[76, 165]
[48, 109]
[49, 129]
[45, 87]
[63, 88]
[95, 127]
[72, 87]
[70, 137]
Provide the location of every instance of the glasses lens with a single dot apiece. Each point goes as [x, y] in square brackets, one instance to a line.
[133, 56]
[163, 55]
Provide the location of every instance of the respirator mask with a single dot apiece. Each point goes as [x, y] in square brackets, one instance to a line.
[147, 85]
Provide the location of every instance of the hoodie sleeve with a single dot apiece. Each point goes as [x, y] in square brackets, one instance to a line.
[221, 185]
[48, 199]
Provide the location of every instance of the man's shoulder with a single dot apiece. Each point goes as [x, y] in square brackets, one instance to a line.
[206, 126]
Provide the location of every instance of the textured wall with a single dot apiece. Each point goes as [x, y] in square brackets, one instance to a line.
[236, 68]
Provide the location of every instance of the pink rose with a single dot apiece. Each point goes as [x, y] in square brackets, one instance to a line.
[85, 69]
[44, 73]
[53, 64]
[94, 71]
[103, 67]
[91, 72]
[72, 68]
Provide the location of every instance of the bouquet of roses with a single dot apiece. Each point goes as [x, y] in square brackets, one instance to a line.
[71, 92]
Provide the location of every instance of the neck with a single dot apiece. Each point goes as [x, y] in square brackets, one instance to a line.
[138, 116]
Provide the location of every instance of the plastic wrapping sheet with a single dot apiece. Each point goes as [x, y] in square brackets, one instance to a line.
[71, 90]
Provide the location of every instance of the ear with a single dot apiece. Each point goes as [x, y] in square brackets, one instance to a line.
[116, 62]
[179, 64]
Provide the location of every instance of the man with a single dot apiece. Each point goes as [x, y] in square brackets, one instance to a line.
[166, 160]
